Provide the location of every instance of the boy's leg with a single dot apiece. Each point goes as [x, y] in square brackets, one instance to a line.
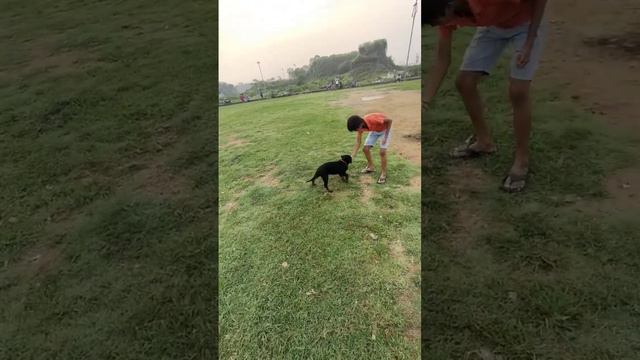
[521, 102]
[519, 94]
[368, 144]
[383, 163]
[367, 153]
[480, 58]
[467, 84]
[383, 154]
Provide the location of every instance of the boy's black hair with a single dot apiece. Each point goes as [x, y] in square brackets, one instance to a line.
[354, 122]
[432, 10]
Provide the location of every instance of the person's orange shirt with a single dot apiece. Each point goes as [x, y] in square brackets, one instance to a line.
[499, 13]
[375, 121]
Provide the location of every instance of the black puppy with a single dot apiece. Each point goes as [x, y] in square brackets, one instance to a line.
[332, 168]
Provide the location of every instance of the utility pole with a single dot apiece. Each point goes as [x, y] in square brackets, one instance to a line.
[262, 77]
[413, 15]
[259, 68]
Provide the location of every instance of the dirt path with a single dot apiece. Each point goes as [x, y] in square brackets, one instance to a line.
[598, 59]
[599, 62]
[402, 106]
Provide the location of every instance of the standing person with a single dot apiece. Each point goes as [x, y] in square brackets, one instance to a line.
[500, 23]
[379, 126]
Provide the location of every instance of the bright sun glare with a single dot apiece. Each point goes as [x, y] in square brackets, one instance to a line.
[252, 23]
[286, 33]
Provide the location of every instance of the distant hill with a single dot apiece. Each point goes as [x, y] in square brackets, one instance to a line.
[370, 57]
[369, 63]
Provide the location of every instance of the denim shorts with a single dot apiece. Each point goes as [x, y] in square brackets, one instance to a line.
[483, 53]
[374, 136]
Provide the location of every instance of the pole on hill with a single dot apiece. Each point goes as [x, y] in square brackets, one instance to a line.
[413, 15]
[262, 77]
[259, 68]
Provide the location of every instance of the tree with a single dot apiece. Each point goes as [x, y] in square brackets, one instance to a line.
[227, 89]
[323, 66]
[298, 75]
[372, 56]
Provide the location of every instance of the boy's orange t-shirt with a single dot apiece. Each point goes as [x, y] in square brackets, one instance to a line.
[375, 121]
[499, 13]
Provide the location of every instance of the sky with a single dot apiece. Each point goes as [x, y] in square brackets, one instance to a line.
[283, 33]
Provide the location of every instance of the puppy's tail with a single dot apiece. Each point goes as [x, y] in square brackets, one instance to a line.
[310, 180]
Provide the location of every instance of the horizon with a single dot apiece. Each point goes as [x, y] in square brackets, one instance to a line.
[285, 34]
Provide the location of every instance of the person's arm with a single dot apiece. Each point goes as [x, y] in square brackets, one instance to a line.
[356, 146]
[536, 19]
[439, 69]
[387, 124]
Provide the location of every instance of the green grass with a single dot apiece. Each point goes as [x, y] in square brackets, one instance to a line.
[403, 85]
[548, 276]
[269, 215]
[107, 171]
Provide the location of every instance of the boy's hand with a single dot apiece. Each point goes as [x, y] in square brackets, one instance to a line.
[523, 56]
[538, 12]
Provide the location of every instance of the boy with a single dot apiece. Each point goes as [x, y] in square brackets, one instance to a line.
[500, 23]
[379, 126]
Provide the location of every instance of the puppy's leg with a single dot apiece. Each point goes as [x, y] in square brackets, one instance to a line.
[325, 179]
[313, 180]
[346, 177]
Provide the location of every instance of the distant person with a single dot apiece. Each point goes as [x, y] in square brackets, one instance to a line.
[261, 96]
[379, 126]
[241, 97]
[515, 23]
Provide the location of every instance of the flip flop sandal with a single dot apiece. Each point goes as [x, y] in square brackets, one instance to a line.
[513, 183]
[382, 180]
[466, 152]
[366, 171]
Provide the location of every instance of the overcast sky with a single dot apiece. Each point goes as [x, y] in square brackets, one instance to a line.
[281, 33]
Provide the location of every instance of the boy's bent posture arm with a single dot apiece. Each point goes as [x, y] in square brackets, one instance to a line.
[387, 124]
[439, 69]
[536, 19]
[356, 147]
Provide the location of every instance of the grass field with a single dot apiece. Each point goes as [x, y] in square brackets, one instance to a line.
[548, 274]
[107, 225]
[301, 277]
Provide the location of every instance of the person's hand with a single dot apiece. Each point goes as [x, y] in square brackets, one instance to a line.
[522, 59]
[425, 105]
